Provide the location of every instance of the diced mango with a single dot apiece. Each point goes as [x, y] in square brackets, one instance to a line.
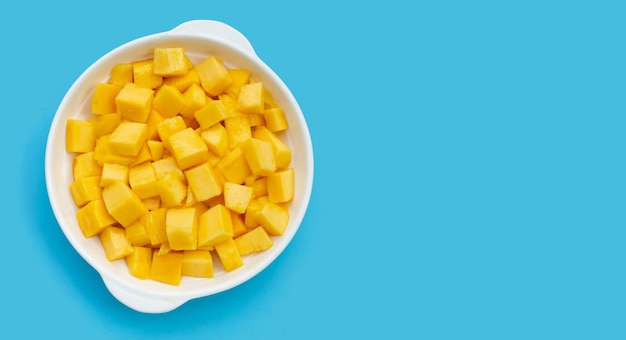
[167, 268]
[169, 61]
[85, 190]
[214, 226]
[188, 148]
[237, 197]
[255, 240]
[122, 203]
[112, 172]
[168, 127]
[259, 187]
[234, 166]
[280, 186]
[238, 128]
[143, 155]
[80, 136]
[250, 98]
[254, 207]
[239, 227]
[197, 263]
[275, 119]
[153, 120]
[213, 75]
[203, 182]
[282, 153]
[134, 103]
[103, 99]
[139, 262]
[181, 226]
[116, 245]
[239, 78]
[182, 83]
[172, 190]
[152, 203]
[212, 113]
[168, 101]
[104, 124]
[229, 255]
[103, 153]
[93, 218]
[154, 221]
[85, 164]
[128, 138]
[273, 219]
[156, 149]
[166, 165]
[137, 233]
[195, 99]
[144, 76]
[260, 156]
[216, 139]
[143, 181]
[121, 74]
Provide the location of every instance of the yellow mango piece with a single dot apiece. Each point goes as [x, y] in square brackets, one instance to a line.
[93, 218]
[275, 119]
[144, 76]
[230, 103]
[169, 61]
[104, 124]
[282, 153]
[211, 113]
[154, 221]
[195, 99]
[213, 75]
[239, 227]
[84, 165]
[154, 118]
[260, 156]
[128, 138]
[259, 187]
[256, 240]
[214, 226]
[203, 182]
[237, 197]
[122, 203]
[239, 77]
[143, 155]
[168, 101]
[168, 127]
[250, 98]
[116, 245]
[182, 83]
[181, 226]
[188, 148]
[103, 99]
[167, 268]
[121, 74]
[254, 207]
[152, 203]
[80, 136]
[273, 219]
[85, 190]
[103, 153]
[164, 248]
[229, 255]
[139, 262]
[134, 103]
[234, 167]
[156, 149]
[197, 263]
[166, 165]
[172, 190]
[280, 186]
[112, 172]
[137, 234]
[238, 129]
[216, 139]
[143, 180]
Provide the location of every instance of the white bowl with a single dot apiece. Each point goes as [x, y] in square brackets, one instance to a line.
[199, 38]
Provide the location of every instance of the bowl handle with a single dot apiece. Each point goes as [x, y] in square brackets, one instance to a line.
[215, 29]
[140, 301]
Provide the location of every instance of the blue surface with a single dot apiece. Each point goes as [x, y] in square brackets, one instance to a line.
[469, 158]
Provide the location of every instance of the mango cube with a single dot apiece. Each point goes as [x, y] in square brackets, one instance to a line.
[112, 172]
[167, 165]
[122, 203]
[168, 101]
[104, 124]
[137, 234]
[213, 75]
[184, 82]
[153, 120]
[181, 226]
[216, 139]
[116, 245]
[197, 263]
[172, 190]
[260, 156]
[139, 262]
[168, 127]
[85, 190]
[203, 182]
[280, 186]
[188, 148]
[237, 197]
[195, 99]
[169, 61]
[103, 99]
[134, 103]
[282, 153]
[229, 255]
[80, 136]
[154, 221]
[143, 181]
[167, 268]
[93, 218]
[121, 74]
[144, 76]
[234, 167]
[85, 164]
[128, 138]
[104, 154]
[212, 113]
[239, 78]
[214, 226]
[275, 119]
[255, 240]
[238, 128]
[239, 227]
[273, 219]
[250, 98]
[156, 149]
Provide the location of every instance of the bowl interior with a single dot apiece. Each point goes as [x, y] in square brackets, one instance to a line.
[77, 104]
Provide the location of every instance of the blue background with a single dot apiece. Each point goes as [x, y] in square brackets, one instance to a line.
[469, 171]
